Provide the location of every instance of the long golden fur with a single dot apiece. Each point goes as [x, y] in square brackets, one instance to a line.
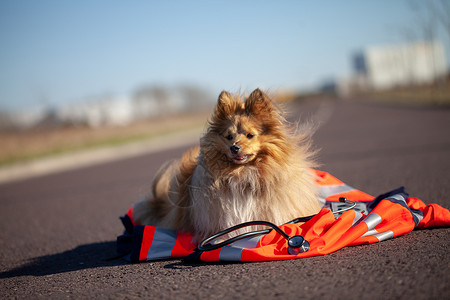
[250, 165]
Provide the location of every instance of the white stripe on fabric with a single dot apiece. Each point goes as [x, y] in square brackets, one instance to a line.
[233, 252]
[372, 220]
[382, 236]
[398, 197]
[371, 232]
[230, 253]
[418, 216]
[357, 217]
[330, 190]
[248, 243]
[163, 242]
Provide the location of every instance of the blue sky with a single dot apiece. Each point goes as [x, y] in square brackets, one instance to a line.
[53, 52]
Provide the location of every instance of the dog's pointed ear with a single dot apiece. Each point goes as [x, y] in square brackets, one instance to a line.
[227, 104]
[224, 98]
[258, 102]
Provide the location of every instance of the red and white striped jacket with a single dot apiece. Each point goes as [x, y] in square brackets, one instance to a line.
[374, 219]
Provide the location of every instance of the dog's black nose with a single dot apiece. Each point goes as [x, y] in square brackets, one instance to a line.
[235, 149]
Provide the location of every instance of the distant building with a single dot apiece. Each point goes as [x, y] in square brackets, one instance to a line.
[385, 67]
[109, 111]
[22, 119]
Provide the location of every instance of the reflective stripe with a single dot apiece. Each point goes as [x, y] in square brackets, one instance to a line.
[330, 190]
[398, 197]
[250, 242]
[417, 216]
[230, 253]
[233, 252]
[372, 220]
[381, 236]
[371, 232]
[163, 242]
[357, 217]
[360, 207]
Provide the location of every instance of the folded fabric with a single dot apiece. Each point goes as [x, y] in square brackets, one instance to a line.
[372, 220]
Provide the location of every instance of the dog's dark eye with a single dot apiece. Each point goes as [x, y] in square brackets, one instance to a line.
[250, 136]
[229, 137]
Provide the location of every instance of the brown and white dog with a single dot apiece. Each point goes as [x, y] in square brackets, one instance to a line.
[250, 166]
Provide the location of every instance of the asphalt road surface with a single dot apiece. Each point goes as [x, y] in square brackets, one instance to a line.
[57, 230]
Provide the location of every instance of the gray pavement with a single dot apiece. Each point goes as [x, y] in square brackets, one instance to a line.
[58, 229]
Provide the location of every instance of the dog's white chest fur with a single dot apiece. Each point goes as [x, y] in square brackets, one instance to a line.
[219, 205]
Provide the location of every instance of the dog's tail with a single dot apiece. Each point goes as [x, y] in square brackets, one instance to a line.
[173, 175]
[169, 190]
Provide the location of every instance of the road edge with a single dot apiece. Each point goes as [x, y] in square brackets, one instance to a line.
[90, 157]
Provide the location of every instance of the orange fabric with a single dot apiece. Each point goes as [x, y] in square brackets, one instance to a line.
[183, 245]
[353, 195]
[211, 255]
[433, 214]
[325, 178]
[327, 235]
[395, 215]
